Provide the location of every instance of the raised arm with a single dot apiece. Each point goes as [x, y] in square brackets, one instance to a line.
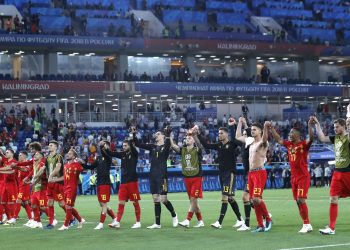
[348, 126]
[319, 131]
[276, 136]
[207, 145]
[117, 154]
[265, 137]
[195, 131]
[147, 146]
[175, 147]
[310, 130]
[242, 123]
[348, 120]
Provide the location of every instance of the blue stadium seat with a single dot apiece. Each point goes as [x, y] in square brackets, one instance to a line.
[54, 23]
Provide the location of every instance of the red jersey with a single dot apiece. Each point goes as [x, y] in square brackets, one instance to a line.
[23, 174]
[29, 164]
[71, 175]
[2, 176]
[297, 154]
[10, 178]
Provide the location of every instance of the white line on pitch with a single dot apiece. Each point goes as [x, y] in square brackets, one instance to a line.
[315, 247]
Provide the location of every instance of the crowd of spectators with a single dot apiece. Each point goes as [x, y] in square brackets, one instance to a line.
[31, 21]
[46, 127]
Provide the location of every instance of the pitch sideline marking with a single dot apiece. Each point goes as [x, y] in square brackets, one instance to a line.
[315, 247]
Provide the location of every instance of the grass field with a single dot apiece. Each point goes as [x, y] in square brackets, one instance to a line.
[279, 202]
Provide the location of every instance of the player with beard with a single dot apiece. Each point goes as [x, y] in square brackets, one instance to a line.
[227, 156]
[191, 163]
[102, 163]
[23, 196]
[257, 174]
[298, 151]
[72, 170]
[129, 188]
[10, 188]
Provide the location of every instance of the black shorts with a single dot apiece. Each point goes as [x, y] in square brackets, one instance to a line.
[158, 186]
[227, 183]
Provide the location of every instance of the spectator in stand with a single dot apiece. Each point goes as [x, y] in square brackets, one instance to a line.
[32, 113]
[16, 23]
[224, 121]
[272, 177]
[327, 176]
[201, 106]
[25, 111]
[53, 112]
[285, 177]
[92, 182]
[8, 25]
[245, 111]
[265, 74]
[210, 122]
[318, 174]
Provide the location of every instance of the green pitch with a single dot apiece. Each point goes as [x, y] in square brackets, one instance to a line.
[284, 233]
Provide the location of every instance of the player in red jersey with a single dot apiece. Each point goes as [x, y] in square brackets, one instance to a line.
[2, 199]
[71, 171]
[129, 188]
[23, 197]
[39, 183]
[10, 182]
[34, 147]
[298, 151]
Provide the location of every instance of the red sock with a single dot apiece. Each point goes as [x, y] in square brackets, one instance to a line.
[51, 211]
[304, 213]
[28, 211]
[120, 212]
[199, 216]
[64, 209]
[137, 211]
[2, 210]
[259, 215]
[17, 209]
[110, 213]
[102, 217]
[76, 214]
[36, 212]
[7, 211]
[189, 215]
[45, 211]
[12, 210]
[333, 214]
[264, 211]
[68, 216]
